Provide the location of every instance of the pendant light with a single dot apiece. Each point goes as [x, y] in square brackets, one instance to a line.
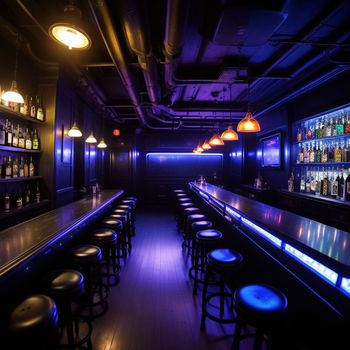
[216, 141]
[229, 134]
[13, 95]
[74, 131]
[91, 138]
[248, 123]
[199, 149]
[102, 144]
[69, 32]
[206, 146]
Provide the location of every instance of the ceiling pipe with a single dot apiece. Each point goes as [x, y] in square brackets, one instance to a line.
[176, 17]
[106, 28]
[137, 35]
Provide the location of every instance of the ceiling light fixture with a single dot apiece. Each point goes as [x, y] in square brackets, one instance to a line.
[74, 131]
[199, 149]
[69, 32]
[13, 95]
[229, 134]
[91, 138]
[102, 144]
[206, 145]
[216, 141]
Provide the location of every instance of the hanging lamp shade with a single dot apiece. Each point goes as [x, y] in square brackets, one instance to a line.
[206, 145]
[199, 149]
[13, 95]
[229, 134]
[248, 124]
[195, 150]
[91, 138]
[102, 144]
[216, 141]
[68, 32]
[74, 131]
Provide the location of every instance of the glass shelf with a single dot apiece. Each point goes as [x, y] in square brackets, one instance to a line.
[20, 179]
[6, 110]
[329, 138]
[16, 149]
[324, 164]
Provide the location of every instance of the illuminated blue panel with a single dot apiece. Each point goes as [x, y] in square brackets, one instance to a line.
[345, 284]
[204, 195]
[184, 154]
[233, 213]
[217, 202]
[263, 232]
[324, 271]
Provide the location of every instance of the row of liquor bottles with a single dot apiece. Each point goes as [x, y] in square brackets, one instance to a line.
[323, 152]
[20, 197]
[335, 124]
[15, 136]
[332, 182]
[17, 167]
[32, 106]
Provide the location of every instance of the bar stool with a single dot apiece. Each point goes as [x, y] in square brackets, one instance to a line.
[205, 240]
[187, 234]
[87, 259]
[179, 212]
[195, 226]
[106, 239]
[34, 324]
[221, 264]
[132, 203]
[261, 306]
[66, 287]
[125, 236]
[186, 212]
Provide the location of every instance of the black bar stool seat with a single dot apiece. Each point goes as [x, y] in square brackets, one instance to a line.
[187, 233]
[125, 239]
[221, 263]
[261, 306]
[179, 191]
[66, 287]
[34, 324]
[180, 195]
[88, 258]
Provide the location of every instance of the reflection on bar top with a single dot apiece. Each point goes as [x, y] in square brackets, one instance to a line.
[329, 241]
[24, 238]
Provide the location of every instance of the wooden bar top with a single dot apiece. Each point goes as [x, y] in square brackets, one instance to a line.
[18, 243]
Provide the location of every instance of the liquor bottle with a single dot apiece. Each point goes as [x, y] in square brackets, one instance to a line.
[347, 124]
[341, 185]
[302, 181]
[19, 200]
[32, 107]
[318, 182]
[3, 167]
[39, 110]
[337, 153]
[308, 182]
[318, 129]
[37, 193]
[8, 133]
[322, 128]
[334, 127]
[31, 167]
[27, 195]
[324, 157]
[308, 131]
[348, 150]
[318, 153]
[21, 167]
[7, 202]
[15, 137]
[24, 106]
[2, 134]
[335, 184]
[301, 154]
[347, 187]
[328, 128]
[299, 134]
[35, 140]
[8, 169]
[291, 183]
[28, 140]
[15, 168]
[325, 184]
[306, 153]
[21, 142]
[26, 168]
[340, 125]
[312, 153]
[313, 183]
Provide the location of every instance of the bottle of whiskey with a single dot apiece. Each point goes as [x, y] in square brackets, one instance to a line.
[28, 140]
[26, 168]
[8, 131]
[347, 187]
[15, 137]
[347, 124]
[341, 184]
[27, 195]
[24, 106]
[15, 168]
[19, 200]
[334, 184]
[2, 133]
[21, 142]
[8, 169]
[39, 110]
[325, 183]
[32, 107]
[21, 167]
[35, 140]
[7, 202]
[31, 167]
[37, 193]
[337, 153]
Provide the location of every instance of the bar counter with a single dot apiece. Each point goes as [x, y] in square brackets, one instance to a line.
[21, 243]
[323, 249]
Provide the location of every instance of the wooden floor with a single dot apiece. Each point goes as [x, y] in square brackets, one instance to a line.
[153, 307]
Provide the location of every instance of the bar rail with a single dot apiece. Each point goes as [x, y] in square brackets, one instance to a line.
[22, 242]
[323, 249]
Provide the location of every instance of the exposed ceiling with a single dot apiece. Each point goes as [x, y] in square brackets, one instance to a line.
[186, 64]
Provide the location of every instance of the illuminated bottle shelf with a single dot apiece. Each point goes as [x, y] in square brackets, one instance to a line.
[9, 111]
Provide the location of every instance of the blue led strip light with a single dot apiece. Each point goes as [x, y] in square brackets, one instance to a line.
[322, 270]
[345, 284]
[276, 241]
[232, 213]
[204, 195]
[217, 202]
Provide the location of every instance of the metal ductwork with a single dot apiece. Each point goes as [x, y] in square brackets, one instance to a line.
[106, 28]
[176, 17]
[137, 34]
